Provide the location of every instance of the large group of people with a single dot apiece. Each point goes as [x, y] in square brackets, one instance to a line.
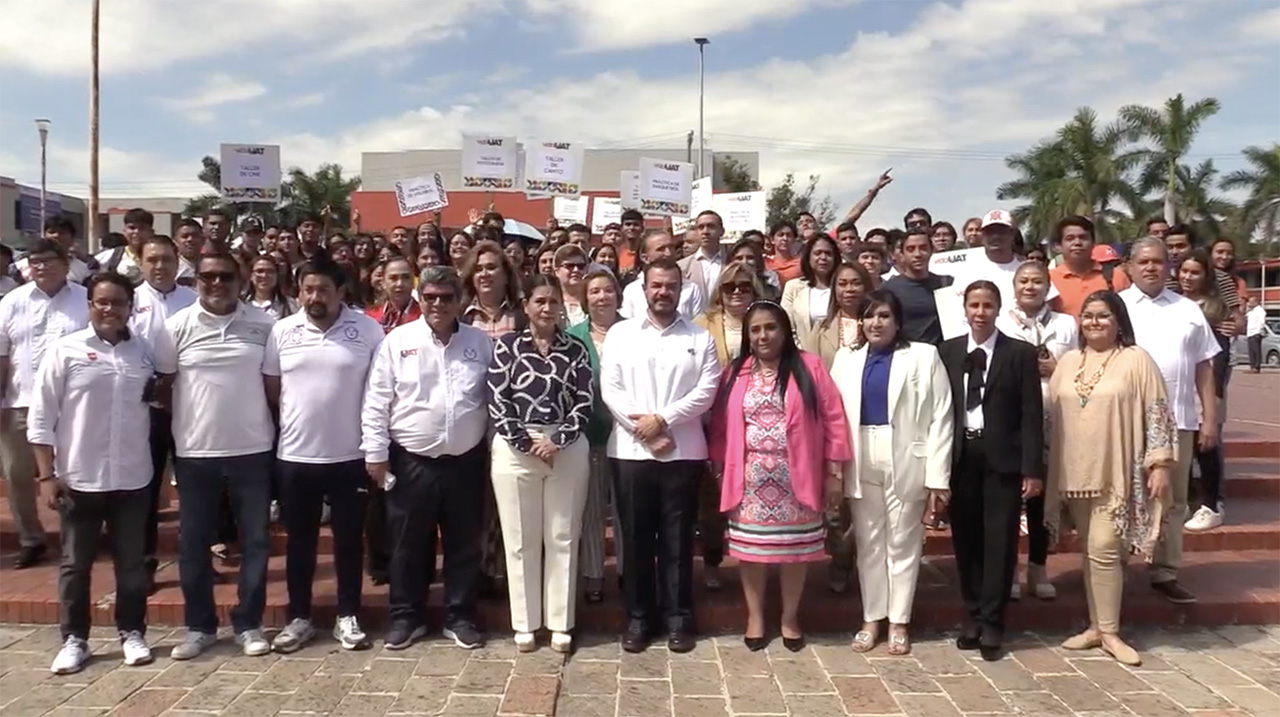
[787, 399]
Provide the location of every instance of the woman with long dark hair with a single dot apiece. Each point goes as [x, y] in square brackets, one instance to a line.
[751, 252]
[265, 289]
[778, 438]
[808, 298]
[849, 283]
[897, 398]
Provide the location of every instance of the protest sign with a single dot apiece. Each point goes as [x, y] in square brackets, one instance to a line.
[741, 211]
[250, 172]
[605, 211]
[553, 169]
[568, 210]
[700, 201]
[666, 187]
[489, 162]
[421, 194]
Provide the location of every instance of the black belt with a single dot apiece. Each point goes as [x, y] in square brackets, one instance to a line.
[971, 434]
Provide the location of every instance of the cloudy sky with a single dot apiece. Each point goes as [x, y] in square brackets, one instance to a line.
[940, 91]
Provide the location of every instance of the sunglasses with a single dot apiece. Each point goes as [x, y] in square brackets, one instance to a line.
[740, 287]
[573, 266]
[210, 277]
[437, 298]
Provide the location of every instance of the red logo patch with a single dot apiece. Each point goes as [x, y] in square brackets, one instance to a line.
[408, 352]
[93, 356]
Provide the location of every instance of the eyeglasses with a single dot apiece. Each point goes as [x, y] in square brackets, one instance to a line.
[39, 262]
[109, 304]
[573, 266]
[210, 277]
[438, 298]
[740, 287]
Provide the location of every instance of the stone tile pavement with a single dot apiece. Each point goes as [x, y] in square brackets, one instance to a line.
[1231, 670]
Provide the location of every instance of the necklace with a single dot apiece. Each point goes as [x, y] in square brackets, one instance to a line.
[840, 336]
[1084, 389]
[767, 373]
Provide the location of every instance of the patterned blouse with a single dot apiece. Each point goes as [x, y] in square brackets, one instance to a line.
[527, 387]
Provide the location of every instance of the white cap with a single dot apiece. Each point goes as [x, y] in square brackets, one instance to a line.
[997, 216]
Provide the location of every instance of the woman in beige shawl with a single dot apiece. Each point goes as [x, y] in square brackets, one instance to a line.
[1112, 447]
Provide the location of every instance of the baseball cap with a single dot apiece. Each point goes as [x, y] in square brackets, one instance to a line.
[1105, 253]
[997, 216]
[252, 224]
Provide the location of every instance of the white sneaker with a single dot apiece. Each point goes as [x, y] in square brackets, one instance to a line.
[1015, 591]
[1022, 526]
[253, 642]
[1038, 582]
[350, 634]
[324, 514]
[1205, 518]
[561, 642]
[294, 635]
[71, 658]
[192, 645]
[526, 642]
[136, 650]
[273, 513]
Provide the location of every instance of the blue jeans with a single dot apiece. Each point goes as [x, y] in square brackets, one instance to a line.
[201, 482]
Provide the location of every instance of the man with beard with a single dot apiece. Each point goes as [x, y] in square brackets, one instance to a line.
[661, 452]
[315, 368]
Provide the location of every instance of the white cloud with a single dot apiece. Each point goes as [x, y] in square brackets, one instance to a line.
[218, 89]
[1263, 27]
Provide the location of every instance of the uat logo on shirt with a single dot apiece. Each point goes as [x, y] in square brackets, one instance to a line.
[408, 352]
[93, 356]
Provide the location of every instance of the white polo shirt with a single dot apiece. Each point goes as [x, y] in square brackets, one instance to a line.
[430, 398]
[1172, 329]
[151, 308]
[691, 304]
[30, 323]
[672, 372]
[322, 382]
[87, 404]
[219, 403]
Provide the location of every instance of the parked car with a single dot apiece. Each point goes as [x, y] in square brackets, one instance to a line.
[1270, 348]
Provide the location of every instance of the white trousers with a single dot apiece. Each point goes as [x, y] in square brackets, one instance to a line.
[889, 533]
[540, 507]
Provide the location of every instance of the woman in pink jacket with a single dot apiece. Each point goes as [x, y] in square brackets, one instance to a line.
[778, 439]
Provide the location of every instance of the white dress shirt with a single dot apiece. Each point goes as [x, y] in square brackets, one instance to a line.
[1172, 329]
[1255, 320]
[129, 265]
[974, 418]
[429, 398]
[31, 321]
[219, 403]
[152, 307]
[711, 268]
[322, 381]
[1056, 332]
[186, 269]
[87, 404]
[672, 372]
[634, 304]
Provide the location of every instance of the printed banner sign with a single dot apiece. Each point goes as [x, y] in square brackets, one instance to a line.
[952, 262]
[251, 172]
[605, 211]
[489, 162]
[421, 194]
[741, 211]
[568, 210]
[553, 169]
[666, 187]
[629, 189]
[700, 202]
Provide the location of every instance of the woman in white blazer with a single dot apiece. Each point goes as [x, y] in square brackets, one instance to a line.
[897, 398]
[807, 299]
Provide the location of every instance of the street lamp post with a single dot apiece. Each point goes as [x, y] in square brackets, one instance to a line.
[702, 43]
[42, 126]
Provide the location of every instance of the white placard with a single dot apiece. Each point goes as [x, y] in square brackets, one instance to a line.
[489, 162]
[629, 189]
[741, 211]
[700, 201]
[951, 263]
[250, 172]
[568, 210]
[605, 211]
[553, 169]
[666, 187]
[949, 301]
[421, 194]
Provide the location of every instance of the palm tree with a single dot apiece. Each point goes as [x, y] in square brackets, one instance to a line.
[315, 193]
[1083, 170]
[1171, 132]
[211, 174]
[1200, 208]
[1260, 211]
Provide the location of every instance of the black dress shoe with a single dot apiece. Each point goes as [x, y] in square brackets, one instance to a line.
[594, 597]
[636, 638]
[29, 556]
[991, 653]
[1174, 593]
[681, 641]
[970, 639]
[755, 644]
[794, 644]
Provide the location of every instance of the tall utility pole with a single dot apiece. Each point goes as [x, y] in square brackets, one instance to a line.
[42, 126]
[702, 43]
[688, 148]
[91, 223]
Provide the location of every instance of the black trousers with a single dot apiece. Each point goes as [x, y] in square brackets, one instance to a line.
[429, 493]
[83, 514]
[161, 452]
[304, 488]
[657, 509]
[1255, 352]
[378, 545]
[1209, 486]
[1037, 534]
[984, 511]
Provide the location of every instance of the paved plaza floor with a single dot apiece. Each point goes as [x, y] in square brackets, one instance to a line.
[1231, 670]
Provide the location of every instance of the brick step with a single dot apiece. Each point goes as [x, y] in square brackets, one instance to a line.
[1232, 587]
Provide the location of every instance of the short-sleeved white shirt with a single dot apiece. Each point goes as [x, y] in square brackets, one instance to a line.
[1172, 329]
[322, 384]
[30, 323]
[219, 403]
[151, 308]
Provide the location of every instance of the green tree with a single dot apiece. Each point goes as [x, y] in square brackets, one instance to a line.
[1259, 213]
[785, 202]
[211, 174]
[736, 177]
[1170, 130]
[1199, 207]
[315, 193]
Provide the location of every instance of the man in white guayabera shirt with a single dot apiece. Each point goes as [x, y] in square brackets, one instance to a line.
[88, 425]
[156, 299]
[316, 365]
[209, 357]
[32, 317]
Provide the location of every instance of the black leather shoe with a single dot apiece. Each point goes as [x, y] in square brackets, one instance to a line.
[755, 644]
[636, 638]
[29, 556]
[1174, 593]
[681, 641]
[991, 653]
[970, 638]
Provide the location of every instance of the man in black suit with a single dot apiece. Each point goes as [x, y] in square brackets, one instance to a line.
[998, 461]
